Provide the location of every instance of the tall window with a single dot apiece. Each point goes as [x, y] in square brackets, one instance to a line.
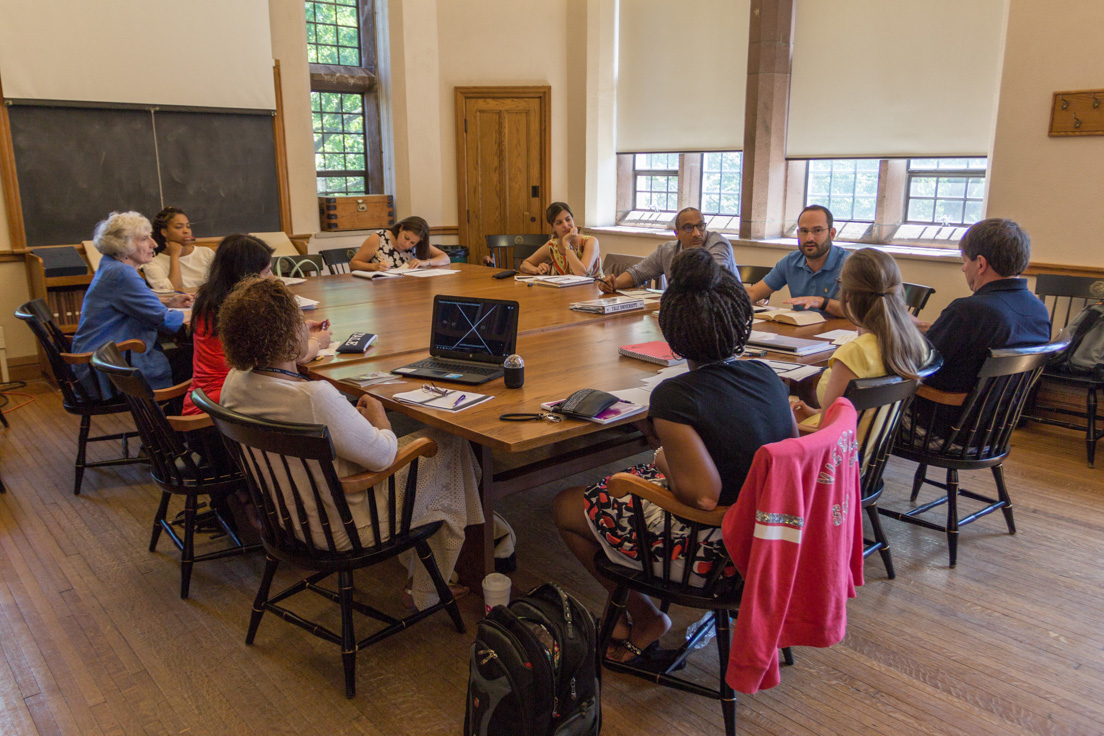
[339, 142]
[848, 187]
[946, 191]
[341, 49]
[720, 189]
[333, 32]
[656, 182]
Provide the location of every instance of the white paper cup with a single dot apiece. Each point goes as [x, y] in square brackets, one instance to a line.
[496, 590]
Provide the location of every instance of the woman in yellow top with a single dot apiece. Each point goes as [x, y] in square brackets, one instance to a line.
[888, 343]
[567, 252]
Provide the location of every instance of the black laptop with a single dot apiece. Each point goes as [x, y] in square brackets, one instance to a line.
[469, 340]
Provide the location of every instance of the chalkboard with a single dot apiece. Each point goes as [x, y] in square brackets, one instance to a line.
[75, 165]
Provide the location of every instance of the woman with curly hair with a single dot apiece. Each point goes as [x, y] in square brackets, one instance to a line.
[710, 421]
[263, 333]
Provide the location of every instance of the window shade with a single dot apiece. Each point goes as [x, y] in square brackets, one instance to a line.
[202, 53]
[894, 78]
[681, 75]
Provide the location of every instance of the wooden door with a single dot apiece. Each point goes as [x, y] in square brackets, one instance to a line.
[502, 162]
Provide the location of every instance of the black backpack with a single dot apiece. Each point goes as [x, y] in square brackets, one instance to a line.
[533, 669]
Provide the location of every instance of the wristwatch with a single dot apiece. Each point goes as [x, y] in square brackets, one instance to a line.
[824, 304]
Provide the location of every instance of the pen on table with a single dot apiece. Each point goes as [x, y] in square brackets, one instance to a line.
[459, 398]
[325, 325]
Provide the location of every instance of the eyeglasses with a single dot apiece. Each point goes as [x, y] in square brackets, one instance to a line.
[433, 388]
[690, 227]
[817, 231]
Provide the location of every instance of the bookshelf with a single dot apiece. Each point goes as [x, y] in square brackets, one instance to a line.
[64, 295]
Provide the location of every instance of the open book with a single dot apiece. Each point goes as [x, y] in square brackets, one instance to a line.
[390, 274]
[791, 316]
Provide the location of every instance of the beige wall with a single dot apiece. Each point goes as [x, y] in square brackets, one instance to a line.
[437, 45]
[289, 45]
[1052, 186]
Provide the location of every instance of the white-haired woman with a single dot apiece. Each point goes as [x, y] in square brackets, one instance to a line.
[120, 306]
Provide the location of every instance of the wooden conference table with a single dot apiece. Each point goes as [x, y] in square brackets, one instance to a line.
[564, 351]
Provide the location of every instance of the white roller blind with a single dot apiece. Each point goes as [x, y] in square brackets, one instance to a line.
[681, 75]
[203, 53]
[894, 78]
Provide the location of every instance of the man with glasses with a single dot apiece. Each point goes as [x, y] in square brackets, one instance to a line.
[812, 271]
[690, 232]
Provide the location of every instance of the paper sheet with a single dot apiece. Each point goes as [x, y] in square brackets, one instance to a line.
[424, 273]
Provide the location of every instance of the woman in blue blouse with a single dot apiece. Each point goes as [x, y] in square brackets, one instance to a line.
[120, 306]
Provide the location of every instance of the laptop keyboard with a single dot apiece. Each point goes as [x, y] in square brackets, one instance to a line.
[444, 365]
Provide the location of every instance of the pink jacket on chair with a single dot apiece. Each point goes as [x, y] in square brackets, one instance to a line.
[795, 534]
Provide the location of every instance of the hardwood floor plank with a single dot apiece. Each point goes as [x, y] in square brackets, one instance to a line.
[95, 639]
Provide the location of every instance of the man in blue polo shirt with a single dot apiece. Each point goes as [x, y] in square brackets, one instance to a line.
[812, 270]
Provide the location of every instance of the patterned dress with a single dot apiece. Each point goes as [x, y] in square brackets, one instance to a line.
[388, 254]
[611, 519]
[560, 264]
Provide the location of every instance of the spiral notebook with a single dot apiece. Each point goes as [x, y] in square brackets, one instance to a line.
[657, 352]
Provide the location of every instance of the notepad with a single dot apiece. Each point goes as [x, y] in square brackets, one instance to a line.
[450, 400]
[657, 351]
[305, 303]
[560, 282]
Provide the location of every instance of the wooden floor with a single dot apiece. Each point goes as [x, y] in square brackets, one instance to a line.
[95, 640]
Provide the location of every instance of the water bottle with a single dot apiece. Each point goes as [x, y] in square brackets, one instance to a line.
[706, 620]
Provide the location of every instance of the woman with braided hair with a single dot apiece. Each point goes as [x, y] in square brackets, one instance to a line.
[709, 421]
[889, 342]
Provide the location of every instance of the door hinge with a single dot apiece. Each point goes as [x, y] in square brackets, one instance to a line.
[465, 125]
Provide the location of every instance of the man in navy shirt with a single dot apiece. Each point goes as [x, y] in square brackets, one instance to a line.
[1001, 313]
[812, 271]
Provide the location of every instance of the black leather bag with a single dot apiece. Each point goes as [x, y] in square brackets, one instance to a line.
[585, 404]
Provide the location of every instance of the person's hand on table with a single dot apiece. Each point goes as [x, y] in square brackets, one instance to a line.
[371, 409]
[180, 301]
[606, 285]
[415, 263]
[805, 302]
[544, 269]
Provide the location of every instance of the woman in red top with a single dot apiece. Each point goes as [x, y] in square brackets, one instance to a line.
[237, 257]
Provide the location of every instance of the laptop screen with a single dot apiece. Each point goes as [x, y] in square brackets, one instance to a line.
[467, 328]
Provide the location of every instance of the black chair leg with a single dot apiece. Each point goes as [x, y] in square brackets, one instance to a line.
[425, 554]
[881, 539]
[917, 481]
[728, 697]
[159, 519]
[82, 446]
[952, 515]
[187, 555]
[615, 608]
[348, 639]
[1090, 420]
[1002, 494]
[787, 656]
[271, 563]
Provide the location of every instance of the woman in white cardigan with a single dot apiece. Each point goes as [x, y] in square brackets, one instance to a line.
[263, 334]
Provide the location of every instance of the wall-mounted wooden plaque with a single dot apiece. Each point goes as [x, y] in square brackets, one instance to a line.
[1077, 113]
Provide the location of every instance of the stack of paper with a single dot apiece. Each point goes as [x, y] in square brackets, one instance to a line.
[305, 303]
[372, 379]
